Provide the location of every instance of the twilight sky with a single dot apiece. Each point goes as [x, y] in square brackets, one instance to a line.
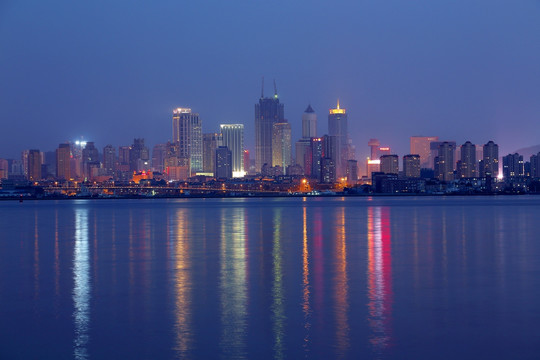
[459, 69]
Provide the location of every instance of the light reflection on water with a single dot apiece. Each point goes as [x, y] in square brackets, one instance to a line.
[82, 288]
[272, 278]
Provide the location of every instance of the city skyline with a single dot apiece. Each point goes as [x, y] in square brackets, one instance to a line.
[415, 73]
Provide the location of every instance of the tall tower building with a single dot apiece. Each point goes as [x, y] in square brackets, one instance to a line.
[390, 164]
[468, 160]
[63, 163]
[223, 163]
[309, 123]
[267, 112]
[211, 141]
[139, 156]
[338, 126]
[535, 165]
[490, 160]
[444, 163]
[420, 146]
[411, 165]
[109, 160]
[159, 152]
[90, 159]
[34, 165]
[187, 132]
[233, 139]
[281, 145]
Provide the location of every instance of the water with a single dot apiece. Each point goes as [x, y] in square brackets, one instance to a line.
[325, 278]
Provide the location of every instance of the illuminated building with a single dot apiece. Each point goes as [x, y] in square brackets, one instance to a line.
[411, 166]
[34, 165]
[159, 151]
[211, 141]
[444, 162]
[224, 169]
[63, 163]
[372, 166]
[176, 168]
[301, 151]
[233, 139]
[314, 157]
[374, 145]
[281, 144]
[246, 161]
[512, 166]
[4, 166]
[109, 160]
[490, 160]
[421, 145]
[337, 126]
[389, 164]
[467, 165]
[187, 132]
[434, 149]
[267, 112]
[328, 170]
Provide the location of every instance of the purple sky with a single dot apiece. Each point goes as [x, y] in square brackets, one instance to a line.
[459, 69]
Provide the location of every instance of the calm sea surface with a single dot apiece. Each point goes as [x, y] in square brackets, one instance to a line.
[324, 278]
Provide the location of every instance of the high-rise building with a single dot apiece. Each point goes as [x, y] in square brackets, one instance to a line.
[109, 160]
[337, 126]
[411, 165]
[34, 165]
[90, 159]
[468, 160]
[159, 151]
[389, 164]
[233, 139]
[187, 132]
[247, 160]
[314, 157]
[281, 144]
[444, 162]
[63, 162]
[512, 166]
[211, 141]
[490, 161]
[4, 169]
[352, 172]
[434, 148]
[535, 165]
[267, 112]
[139, 156]
[309, 123]
[420, 146]
[224, 169]
[328, 171]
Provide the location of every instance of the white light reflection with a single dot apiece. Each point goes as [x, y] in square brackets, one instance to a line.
[81, 277]
[233, 283]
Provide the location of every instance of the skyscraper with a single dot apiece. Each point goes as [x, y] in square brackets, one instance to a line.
[187, 132]
[139, 156]
[211, 141]
[468, 160]
[109, 160]
[420, 146]
[337, 126]
[223, 163]
[490, 161]
[389, 164]
[159, 151]
[281, 145]
[512, 166]
[90, 159]
[233, 139]
[535, 165]
[444, 162]
[411, 165]
[34, 165]
[267, 112]
[63, 163]
[309, 123]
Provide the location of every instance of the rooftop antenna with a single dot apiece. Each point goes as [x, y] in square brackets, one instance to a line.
[275, 88]
[262, 88]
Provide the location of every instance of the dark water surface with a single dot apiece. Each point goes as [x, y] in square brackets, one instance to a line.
[325, 278]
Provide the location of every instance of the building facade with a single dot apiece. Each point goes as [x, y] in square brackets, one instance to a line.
[421, 145]
[187, 132]
[281, 145]
[233, 139]
[267, 112]
[389, 164]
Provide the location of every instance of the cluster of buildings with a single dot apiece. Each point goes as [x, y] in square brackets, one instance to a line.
[327, 159]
